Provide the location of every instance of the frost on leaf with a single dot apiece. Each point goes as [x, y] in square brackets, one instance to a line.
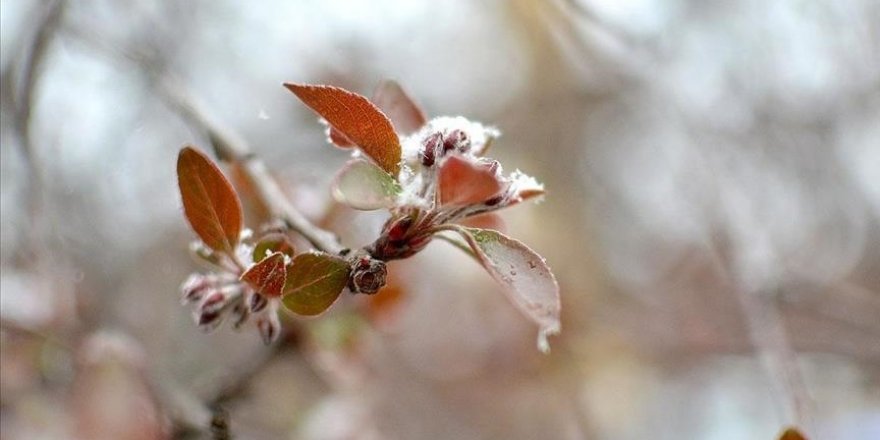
[527, 279]
[362, 185]
[314, 282]
[209, 200]
[268, 276]
[356, 119]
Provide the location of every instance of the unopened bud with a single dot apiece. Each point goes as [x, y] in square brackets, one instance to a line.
[429, 150]
[269, 327]
[194, 287]
[208, 321]
[456, 140]
[367, 276]
[257, 302]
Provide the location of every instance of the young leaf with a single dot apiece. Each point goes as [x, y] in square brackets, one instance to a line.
[406, 115]
[527, 279]
[364, 186]
[314, 282]
[268, 276]
[463, 182]
[792, 433]
[209, 201]
[271, 243]
[357, 119]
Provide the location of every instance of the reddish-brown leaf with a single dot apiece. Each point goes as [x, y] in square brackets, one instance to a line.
[406, 115]
[792, 433]
[314, 282]
[209, 201]
[268, 276]
[463, 182]
[357, 119]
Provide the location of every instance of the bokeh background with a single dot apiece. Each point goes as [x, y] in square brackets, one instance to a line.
[713, 175]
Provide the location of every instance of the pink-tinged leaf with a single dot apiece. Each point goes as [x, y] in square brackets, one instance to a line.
[268, 276]
[792, 433]
[485, 221]
[362, 185]
[209, 200]
[357, 119]
[314, 282]
[406, 115]
[525, 276]
[271, 243]
[465, 182]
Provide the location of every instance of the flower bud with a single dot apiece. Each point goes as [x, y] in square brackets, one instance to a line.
[257, 302]
[194, 287]
[456, 140]
[367, 276]
[269, 327]
[429, 151]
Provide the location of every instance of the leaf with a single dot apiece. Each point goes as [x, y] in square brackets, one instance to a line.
[357, 119]
[464, 182]
[314, 282]
[406, 115]
[209, 201]
[527, 279]
[792, 433]
[268, 276]
[362, 185]
[271, 243]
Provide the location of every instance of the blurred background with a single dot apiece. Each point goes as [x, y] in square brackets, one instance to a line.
[713, 218]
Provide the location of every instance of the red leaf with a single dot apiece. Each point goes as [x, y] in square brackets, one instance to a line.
[527, 279]
[406, 115]
[463, 182]
[268, 276]
[314, 282]
[357, 119]
[209, 201]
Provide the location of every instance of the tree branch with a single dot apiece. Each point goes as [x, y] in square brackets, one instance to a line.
[231, 148]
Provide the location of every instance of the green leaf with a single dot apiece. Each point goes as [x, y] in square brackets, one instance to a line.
[209, 201]
[524, 274]
[268, 276]
[357, 119]
[362, 185]
[271, 243]
[314, 282]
